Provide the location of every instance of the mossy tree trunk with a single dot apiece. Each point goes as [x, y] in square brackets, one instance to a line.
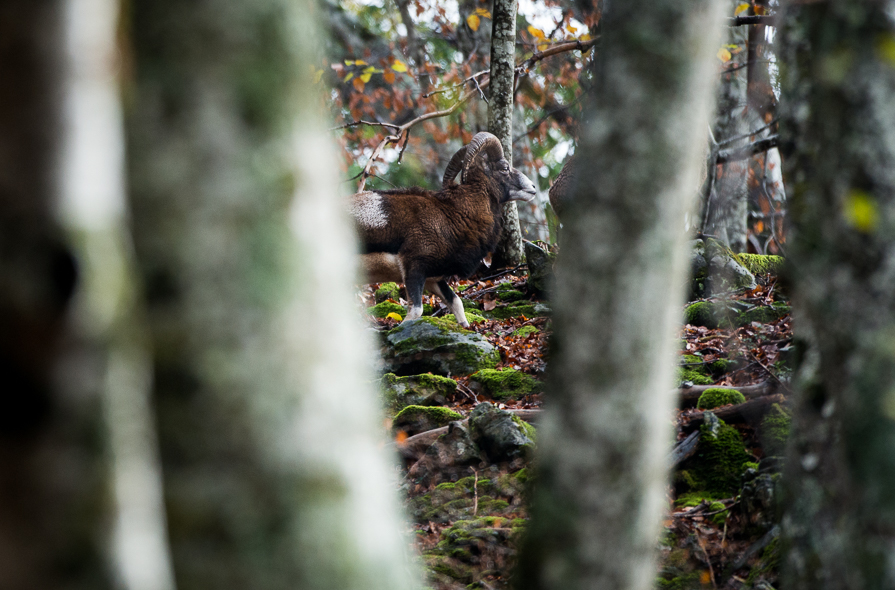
[500, 118]
[838, 130]
[52, 501]
[273, 474]
[599, 495]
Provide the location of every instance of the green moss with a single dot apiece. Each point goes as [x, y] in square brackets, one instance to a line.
[764, 314]
[693, 377]
[693, 499]
[720, 460]
[519, 308]
[415, 390]
[380, 310]
[471, 358]
[682, 582]
[506, 292]
[432, 415]
[472, 304]
[762, 264]
[525, 331]
[472, 316]
[716, 396]
[720, 509]
[720, 366]
[701, 313]
[505, 384]
[526, 428]
[774, 430]
[386, 291]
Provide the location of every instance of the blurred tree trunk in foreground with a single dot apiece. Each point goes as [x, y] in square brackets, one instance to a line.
[838, 121]
[273, 474]
[500, 118]
[600, 487]
[51, 482]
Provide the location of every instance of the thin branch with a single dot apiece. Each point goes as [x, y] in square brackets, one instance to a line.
[558, 48]
[455, 86]
[746, 152]
[362, 122]
[769, 20]
[401, 130]
[747, 135]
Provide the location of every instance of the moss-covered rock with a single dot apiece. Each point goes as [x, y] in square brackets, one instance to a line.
[714, 268]
[472, 316]
[499, 434]
[507, 292]
[504, 384]
[525, 331]
[760, 264]
[720, 460]
[517, 309]
[717, 396]
[415, 390]
[437, 345]
[774, 430]
[763, 314]
[381, 310]
[386, 291]
[415, 419]
[691, 376]
[694, 370]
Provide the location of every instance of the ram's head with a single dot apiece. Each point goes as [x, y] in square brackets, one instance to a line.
[484, 153]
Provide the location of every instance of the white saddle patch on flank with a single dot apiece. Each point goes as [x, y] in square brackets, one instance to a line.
[367, 208]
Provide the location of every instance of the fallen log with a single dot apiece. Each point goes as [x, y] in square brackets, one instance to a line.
[750, 412]
[683, 450]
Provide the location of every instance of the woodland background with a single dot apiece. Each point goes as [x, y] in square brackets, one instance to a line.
[188, 394]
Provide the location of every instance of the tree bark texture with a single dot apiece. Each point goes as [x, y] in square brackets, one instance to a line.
[110, 351]
[52, 482]
[838, 148]
[273, 469]
[500, 117]
[727, 214]
[604, 438]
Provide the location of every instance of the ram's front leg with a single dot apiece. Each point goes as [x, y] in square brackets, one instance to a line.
[414, 280]
[454, 303]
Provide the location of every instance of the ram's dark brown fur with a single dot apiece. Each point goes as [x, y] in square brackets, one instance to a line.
[420, 237]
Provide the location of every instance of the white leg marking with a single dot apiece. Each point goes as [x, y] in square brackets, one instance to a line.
[457, 308]
[414, 313]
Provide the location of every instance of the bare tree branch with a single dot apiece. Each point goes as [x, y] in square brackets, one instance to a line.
[401, 130]
[769, 20]
[743, 153]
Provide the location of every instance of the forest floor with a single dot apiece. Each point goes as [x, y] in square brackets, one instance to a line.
[467, 521]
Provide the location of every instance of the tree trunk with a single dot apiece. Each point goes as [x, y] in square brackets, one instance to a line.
[269, 435]
[500, 118]
[619, 284]
[838, 130]
[727, 214]
[52, 482]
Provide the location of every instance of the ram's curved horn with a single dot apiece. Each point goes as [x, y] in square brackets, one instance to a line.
[482, 142]
[454, 167]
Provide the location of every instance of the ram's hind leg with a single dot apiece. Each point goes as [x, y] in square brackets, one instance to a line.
[454, 303]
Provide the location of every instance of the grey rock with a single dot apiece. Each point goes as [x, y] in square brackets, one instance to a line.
[436, 345]
[499, 434]
[540, 269]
